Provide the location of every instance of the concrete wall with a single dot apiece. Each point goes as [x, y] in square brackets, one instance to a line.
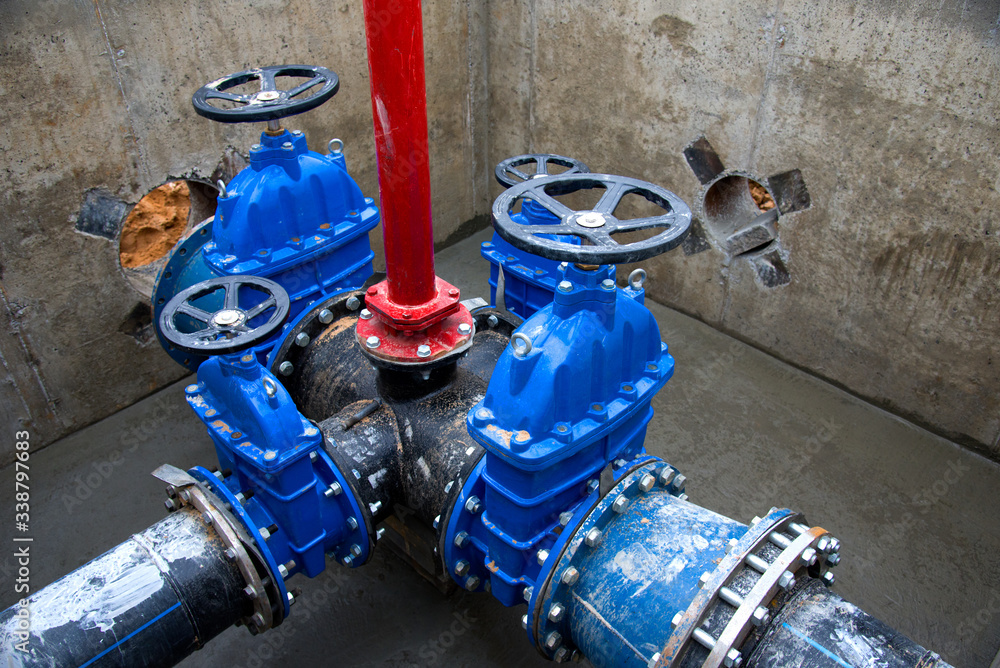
[96, 99]
[886, 280]
[883, 278]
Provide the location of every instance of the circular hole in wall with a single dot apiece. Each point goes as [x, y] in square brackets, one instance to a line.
[156, 223]
[732, 203]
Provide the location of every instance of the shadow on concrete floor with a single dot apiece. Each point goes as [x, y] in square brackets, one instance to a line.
[916, 514]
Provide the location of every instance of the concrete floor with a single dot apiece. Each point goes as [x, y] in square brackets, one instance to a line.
[916, 514]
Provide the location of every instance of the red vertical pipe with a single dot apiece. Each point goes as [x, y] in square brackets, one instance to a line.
[394, 31]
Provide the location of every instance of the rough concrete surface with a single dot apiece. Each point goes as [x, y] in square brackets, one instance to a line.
[915, 513]
[96, 99]
[889, 110]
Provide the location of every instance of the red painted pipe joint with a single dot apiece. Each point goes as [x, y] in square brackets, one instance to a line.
[413, 310]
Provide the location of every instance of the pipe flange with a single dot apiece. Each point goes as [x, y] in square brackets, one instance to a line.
[187, 491]
[284, 361]
[550, 631]
[463, 556]
[802, 549]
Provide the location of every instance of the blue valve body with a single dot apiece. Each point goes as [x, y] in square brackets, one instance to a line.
[293, 216]
[555, 416]
[277, 461]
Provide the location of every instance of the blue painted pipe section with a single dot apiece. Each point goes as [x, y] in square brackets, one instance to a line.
[644, 571]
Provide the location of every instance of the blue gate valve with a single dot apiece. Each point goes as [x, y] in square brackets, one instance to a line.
[293, 215]
[276, 475]
[571, 395]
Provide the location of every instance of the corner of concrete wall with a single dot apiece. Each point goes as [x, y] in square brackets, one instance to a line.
[886, 283]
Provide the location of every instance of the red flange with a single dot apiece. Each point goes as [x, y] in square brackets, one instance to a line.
[444, 337]
[413, 318]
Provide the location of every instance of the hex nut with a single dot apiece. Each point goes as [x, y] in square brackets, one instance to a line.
[353, 303]
[620, 504]
[667, 475]
[462, 568]
[593, 537]
[827, 578]
[733, 659]
[326, 317]
[524, 622]
[833, 559]
[302, 339]
[786, 580]
[542, 556]
[461, 539]
[570, 576]
[355, 550]
[809, 556]
[556, 612]
[760, 616]
[553, 640]
[647, 482]
[473, 505]
[472, 583]
[286, 368]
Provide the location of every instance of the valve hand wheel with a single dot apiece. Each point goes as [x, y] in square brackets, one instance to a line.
[508, 173]
[268, 103]
[236, 322]
[598, 226]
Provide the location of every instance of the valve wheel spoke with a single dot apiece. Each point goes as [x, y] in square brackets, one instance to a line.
[551, 204]
[508, 174]
[635, 224]
[260, 308]
[194, 312]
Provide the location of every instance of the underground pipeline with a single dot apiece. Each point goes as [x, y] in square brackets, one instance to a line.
[151, 601]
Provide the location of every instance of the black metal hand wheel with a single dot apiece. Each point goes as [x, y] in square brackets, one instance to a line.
[508, 174]
[598, 226]
[246, 317]
[268, 103]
